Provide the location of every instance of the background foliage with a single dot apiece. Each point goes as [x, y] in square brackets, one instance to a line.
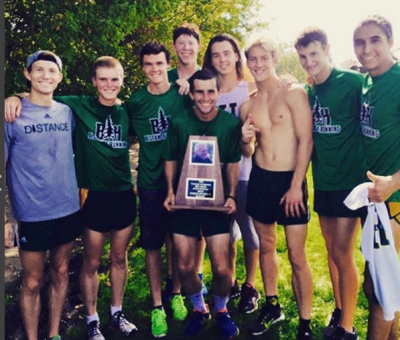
[80, 31]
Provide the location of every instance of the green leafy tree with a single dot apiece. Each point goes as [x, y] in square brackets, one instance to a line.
[289, 63]
[82, 30]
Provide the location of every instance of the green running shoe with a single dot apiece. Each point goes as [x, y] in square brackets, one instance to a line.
[159, 327]
[178, 307]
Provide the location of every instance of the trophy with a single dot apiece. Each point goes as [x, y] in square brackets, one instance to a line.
[200, 184]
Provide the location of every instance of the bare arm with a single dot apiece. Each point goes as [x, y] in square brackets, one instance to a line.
[302, 121]
[384, 186]
[170, 169]
[232, 175]
[12, 107]
[247, 143]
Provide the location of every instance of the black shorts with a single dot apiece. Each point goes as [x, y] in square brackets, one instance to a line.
[109, 210]
[46, 235]
[265, 191]
[196, 223]
[155, 220]
[330, 204]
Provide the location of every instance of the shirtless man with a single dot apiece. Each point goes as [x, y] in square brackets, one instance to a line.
[279, 120]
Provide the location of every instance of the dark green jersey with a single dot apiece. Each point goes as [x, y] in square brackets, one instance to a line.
[226, 127]
[380, 122]
[173, 75]
[150, 116]
[337, 160]
[101, 144]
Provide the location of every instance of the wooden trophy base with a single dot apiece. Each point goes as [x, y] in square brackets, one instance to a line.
[197, 207]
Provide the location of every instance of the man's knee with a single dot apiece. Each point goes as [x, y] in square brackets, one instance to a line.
[119, 259]
[90, 265]
[297, 258]
[220, 271]
[31, 285]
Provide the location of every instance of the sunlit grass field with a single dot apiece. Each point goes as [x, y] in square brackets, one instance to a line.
[137, 304]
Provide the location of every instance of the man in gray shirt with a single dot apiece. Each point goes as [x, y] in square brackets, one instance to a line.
[43, 190]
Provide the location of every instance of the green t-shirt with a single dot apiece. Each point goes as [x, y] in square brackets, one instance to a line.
[150, 116]
[173, 75]
[101, 144]
[380, 122]
[225, 126]
[337, 160]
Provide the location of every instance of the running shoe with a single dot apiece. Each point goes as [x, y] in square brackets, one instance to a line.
[227, 325]
[304, 333]
[55, 337]
[178, 308]
[342, 334]
[93, 331]
[249, 297]
[197, 322]
[329, 330]
[118, 321]
[268, 316]
[235, 291]
[159, 327]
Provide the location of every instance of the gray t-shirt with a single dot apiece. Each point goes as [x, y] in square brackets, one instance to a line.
[39, 163]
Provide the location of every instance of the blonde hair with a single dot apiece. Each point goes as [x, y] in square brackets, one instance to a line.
[266, 44]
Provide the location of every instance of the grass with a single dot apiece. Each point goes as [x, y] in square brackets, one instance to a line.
[137, 302]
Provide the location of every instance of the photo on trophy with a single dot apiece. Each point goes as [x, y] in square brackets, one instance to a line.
[202, 152]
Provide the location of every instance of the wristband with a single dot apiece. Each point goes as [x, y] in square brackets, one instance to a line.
[230, 196]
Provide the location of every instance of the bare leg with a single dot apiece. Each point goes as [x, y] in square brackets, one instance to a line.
[218, 248]
[33, 267]
[329, 235]
[119, 263]
[59, 260]
[378, 327]
[342, 247]
[153, 268]
[268, 256]
[251, 257]
[301, 273]
[200, 250]
[185, 246]
[89, 281]
[232, 261]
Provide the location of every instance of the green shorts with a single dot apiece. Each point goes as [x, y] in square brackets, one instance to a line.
[46, 235]
[195, 223]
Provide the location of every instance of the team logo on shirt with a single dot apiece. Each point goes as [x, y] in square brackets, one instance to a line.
[108, 133]
[232, 107]
[322, 121]
[380, 239]
[159, 127]
[366, 114]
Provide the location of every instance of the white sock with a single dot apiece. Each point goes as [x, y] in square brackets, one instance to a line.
[115, 309]
[90, 318]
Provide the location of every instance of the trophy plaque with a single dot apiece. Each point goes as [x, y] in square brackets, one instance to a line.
[200, 185]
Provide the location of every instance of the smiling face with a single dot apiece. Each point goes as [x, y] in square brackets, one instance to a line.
[205, 95]
[223, 58]
[108, 82]
[314, 58]
[44, 77]
[186, 48]
[155, 67]
[373, 49]
[261, 63]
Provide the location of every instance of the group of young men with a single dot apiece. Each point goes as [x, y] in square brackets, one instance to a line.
[265, 139]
